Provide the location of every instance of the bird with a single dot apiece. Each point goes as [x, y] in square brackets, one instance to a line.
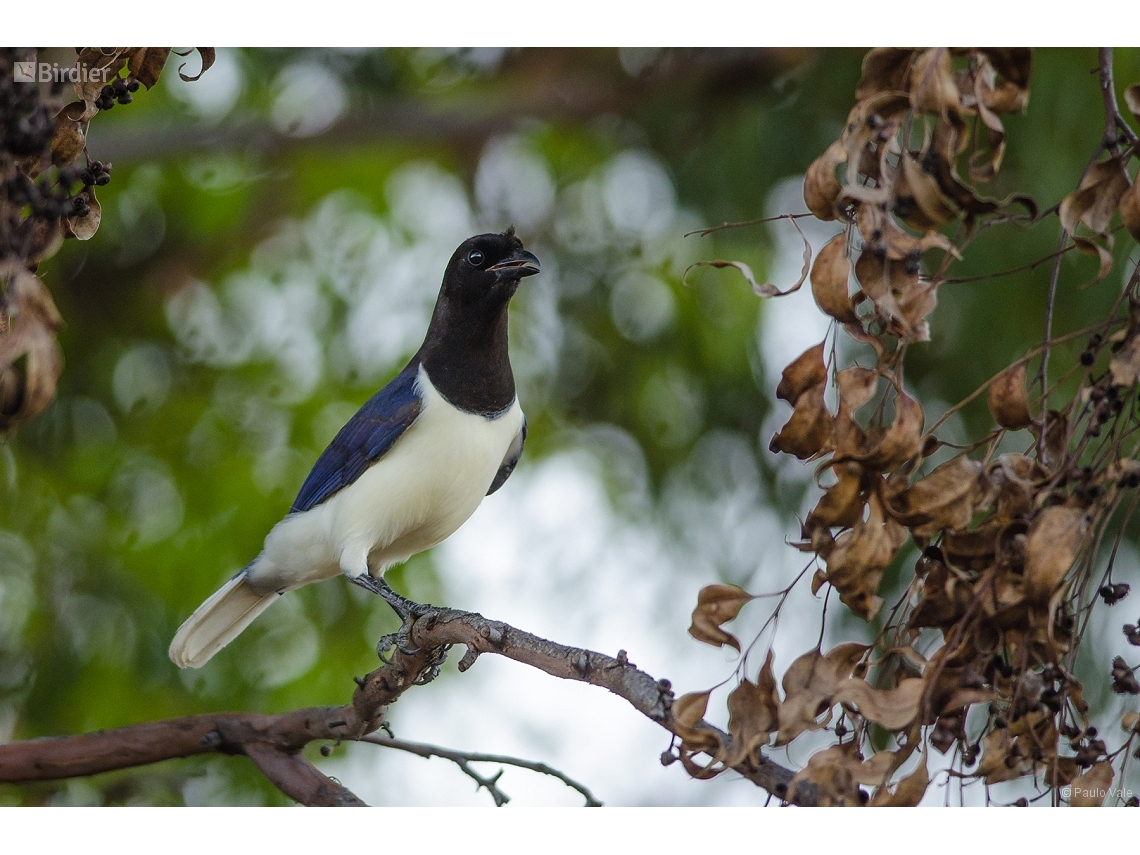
[407, 470]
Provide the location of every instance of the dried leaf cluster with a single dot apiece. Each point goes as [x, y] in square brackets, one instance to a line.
[1006, 575]
[47, 194]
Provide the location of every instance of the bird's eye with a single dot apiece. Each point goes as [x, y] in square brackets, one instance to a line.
[475, 258]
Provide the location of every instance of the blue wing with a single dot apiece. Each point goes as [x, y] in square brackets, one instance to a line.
[509, 462]
[364, 439]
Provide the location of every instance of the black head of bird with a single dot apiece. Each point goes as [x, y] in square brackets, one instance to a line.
[485, 270]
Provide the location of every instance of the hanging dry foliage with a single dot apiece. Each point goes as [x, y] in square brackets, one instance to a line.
[47, 194]
[1003, 547]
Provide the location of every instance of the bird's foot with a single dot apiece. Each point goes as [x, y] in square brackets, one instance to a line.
[399, 640]
[405, 609]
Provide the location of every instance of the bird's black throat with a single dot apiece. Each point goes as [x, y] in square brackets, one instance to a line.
[465, 355]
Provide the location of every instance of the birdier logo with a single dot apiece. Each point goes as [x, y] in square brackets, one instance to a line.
[53, 72]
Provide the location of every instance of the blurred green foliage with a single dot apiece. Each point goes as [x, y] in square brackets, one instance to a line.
[163, 463]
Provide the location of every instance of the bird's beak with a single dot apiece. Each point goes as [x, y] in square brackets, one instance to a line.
[519, 264]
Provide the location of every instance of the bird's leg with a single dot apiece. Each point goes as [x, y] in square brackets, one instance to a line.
[404, 608]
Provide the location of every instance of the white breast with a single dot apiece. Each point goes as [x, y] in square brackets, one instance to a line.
[426, 486]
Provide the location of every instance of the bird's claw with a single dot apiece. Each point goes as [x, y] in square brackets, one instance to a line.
[408, 612]
[399, 640]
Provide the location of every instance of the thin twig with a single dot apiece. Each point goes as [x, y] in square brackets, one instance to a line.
[1043, 371]
[961, 280]
[463, 759]
[745, 223]
[1114, 125]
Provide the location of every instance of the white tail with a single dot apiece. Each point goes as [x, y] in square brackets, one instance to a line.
[217, 622]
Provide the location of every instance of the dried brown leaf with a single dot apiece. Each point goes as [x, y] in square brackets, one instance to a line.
[1130, 722]
[856, 386]
[997, 764]
[1091, 788]
[871, 125]
[818, 579]
[1056, 537]
[829, 277]
[944, 599]
[1009, 753]
[884, 70]
[1096, 197]
[717, 604]
[932, 85]
[109, 60]
[855, 565]
[753, 713]
[1103, 254]
[1130, 210]
[30, 357]
[146, 64]
[690, 708]
[1009, 400]
[892, 709]
[1125, 364]
[68, 139]
[1132, 99]
[44, 241]
[84, 228]
[829, 774]
[821, 187]
[1014, 481]
[1014, 64]
[893, 286]
[804, 372]
[944, 499]
[844, 760]
[984, 165]
[688, 712]
[964, 197]
[901, 442]
[759, 289]
[842, 504]
[208, 55]
[808, 431]
[918, 196]
[809, 683]
[909, 791]
[883, 235]
[1061, 771]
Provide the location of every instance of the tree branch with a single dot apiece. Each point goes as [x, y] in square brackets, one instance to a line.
[273, 742]
[299, 779]
[651, 697]
[463, 759]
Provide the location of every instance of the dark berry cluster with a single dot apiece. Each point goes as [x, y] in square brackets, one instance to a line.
[1123, 678]
[1113, 592]
[1086, 743]
[96, 173]
[117, 90]
[48, 198]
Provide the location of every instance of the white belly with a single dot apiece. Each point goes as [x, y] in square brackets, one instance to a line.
[426, 486]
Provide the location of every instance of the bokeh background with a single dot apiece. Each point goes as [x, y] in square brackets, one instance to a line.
[272, 243]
